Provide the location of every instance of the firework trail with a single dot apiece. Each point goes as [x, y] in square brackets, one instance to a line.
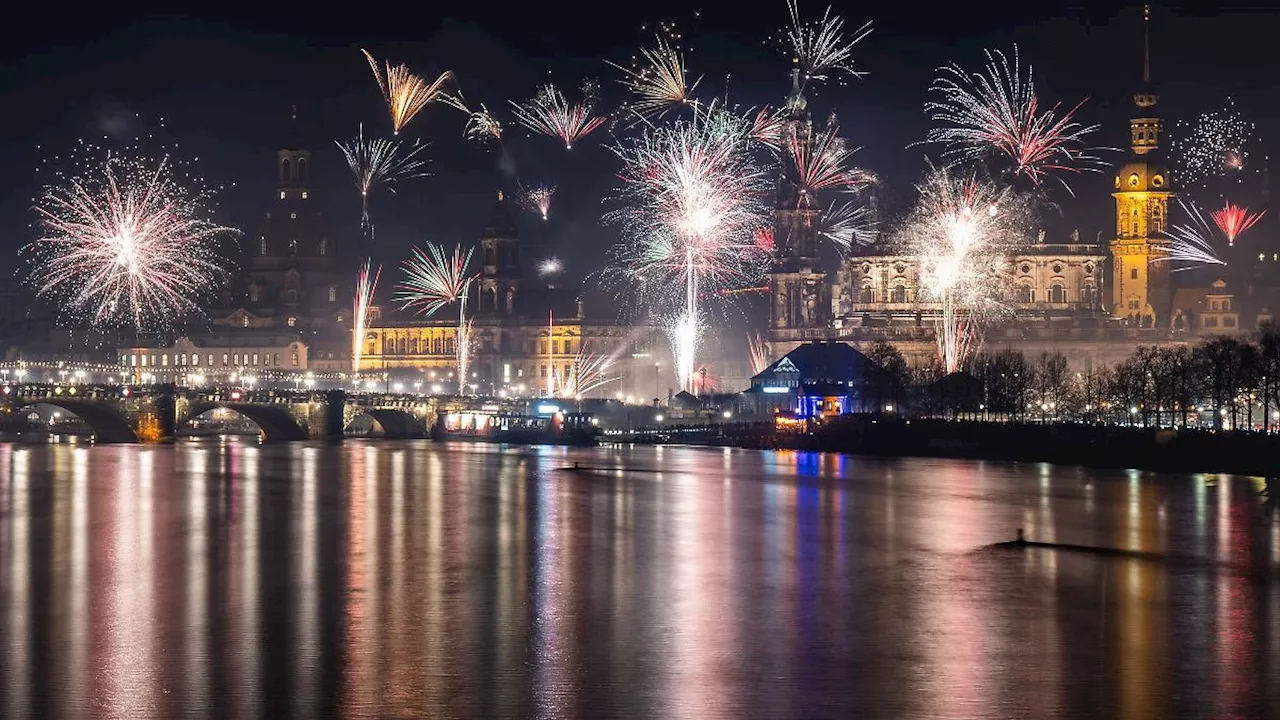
[997, 111]
[550, 266]
[1234, 220]
[435, 280]
[366, 286]
[848, 224]
[694, 206]
[821, 47]
[379, 162]
[1216, 144]
[962, 230]
[589, 373]
[823, 163]
[406, 94]
[661, 83]
[551, 114]
[125, 242]
[1191, 241]
[759, 353]
[538, 199]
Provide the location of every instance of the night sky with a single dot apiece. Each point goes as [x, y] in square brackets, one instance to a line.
[224, 86]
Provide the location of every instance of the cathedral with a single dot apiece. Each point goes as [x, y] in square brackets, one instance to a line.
[1094, 304]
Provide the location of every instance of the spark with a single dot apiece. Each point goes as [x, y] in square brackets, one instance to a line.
[551, 114]
[366, 286]
[588, 373]
[379, 162]
[823, 163]
[821, 47]
[705, 381]
[538, 199]
[125, 242]
[1191, 241]
[694, 206]
[481, 125]
[998, 111]
[759, 352]
[406, 94]
[434, 281]
[1215, 145]
[550, 266]
[661, 83]
[962, 231]
[847, 224]
[1234, 220]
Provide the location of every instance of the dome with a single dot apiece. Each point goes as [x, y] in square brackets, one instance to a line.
[1142, 174]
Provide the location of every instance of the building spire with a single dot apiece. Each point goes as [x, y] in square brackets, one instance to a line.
[1146, 44]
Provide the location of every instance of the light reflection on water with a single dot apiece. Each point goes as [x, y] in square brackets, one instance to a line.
[412, 579]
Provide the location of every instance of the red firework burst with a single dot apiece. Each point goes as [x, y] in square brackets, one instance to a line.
[1233, 220]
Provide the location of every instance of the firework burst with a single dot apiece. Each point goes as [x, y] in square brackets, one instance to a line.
[962, 231]
[366, 286]
[998, 111]
[660, 83]
[1192, 245]
[769, 128]
[538, 199]
[126, 243]
[551, 114]
[379, 162]
[759, 353]
[847, 224]
[1216, 144]
[588, 373]
[694, 206]
[435, 280]
[406, 94]
[1234, 220]
[821, 47]
[549, 267]
[824, 163]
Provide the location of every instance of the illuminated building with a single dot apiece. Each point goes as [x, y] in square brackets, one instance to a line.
[1140, 267]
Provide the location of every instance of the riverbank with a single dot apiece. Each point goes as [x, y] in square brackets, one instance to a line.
[1164, 450]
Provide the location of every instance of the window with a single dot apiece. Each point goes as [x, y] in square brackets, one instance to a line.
[182, 359]
[1157, 181]
[1025, 294]
[1211, 322]
[293, 216]
[1133, 273]
[293, 295]
[285, 171]
[1228, 321]
[281, 194]
[1133, 304]
[295, 359]
[164, 360]
[255, 359]
[1088, 295]
[333, 291]
[254, 293]
[1214, 304]
[244, 321]
[211, 360]
[224, 359]
[1057, 294]
[1026, 269]
[1133, 180]
[304, 194]
[1057, 268]
[324, 250]
[133, 360]
[262, 246]
[542, 369]
[235, 359]
[275, 359]
[292, 321]
[865, 295]
[898, 294]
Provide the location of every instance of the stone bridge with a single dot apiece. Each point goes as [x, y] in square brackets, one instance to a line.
[119, 414]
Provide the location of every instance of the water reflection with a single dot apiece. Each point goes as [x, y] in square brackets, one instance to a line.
[412, 579]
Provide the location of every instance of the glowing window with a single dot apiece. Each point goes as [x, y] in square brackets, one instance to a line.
[1133, 180]
[1157, 181]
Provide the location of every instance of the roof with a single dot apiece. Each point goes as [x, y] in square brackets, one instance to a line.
[820, 362]
[502, 224]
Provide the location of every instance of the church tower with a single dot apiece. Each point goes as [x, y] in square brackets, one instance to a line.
[500, 250]
[292, 273]
[1140, 252]
[796, 280]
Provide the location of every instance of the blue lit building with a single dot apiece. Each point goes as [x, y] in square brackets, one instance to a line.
[818, 379]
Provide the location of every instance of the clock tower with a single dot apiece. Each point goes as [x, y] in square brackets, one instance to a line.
[1143, 187]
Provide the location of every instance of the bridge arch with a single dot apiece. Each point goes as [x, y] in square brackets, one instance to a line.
[276, 422]
[397, 424]
[108, 425]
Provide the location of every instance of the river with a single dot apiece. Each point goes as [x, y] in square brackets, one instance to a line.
[412, 579]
